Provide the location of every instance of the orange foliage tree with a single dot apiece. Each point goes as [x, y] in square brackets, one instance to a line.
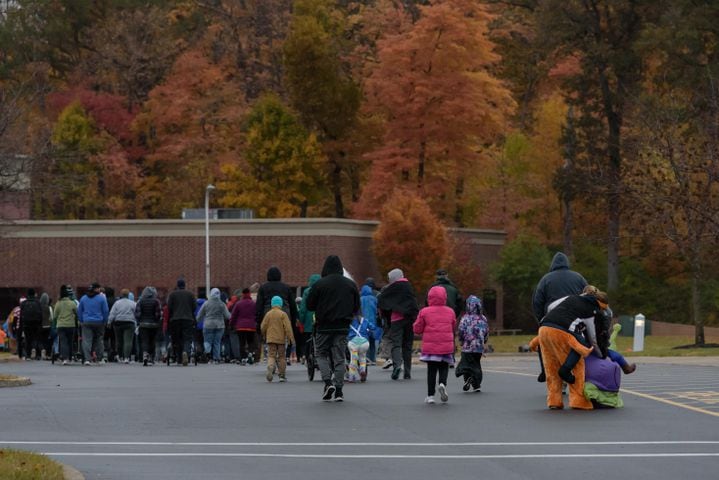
[435, 88]
[410, 237]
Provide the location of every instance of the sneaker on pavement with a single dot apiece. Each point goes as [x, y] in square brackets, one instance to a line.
[467, 385]
[429, 399]
[64, 362]
[395, 373]
[185, 359]
[328, 393]
[283, 379]
[103, 361]
[126, 361]
[338, 395]
[387, 364]
[87, 363]
[270, 373]
[363, 376]
[443, 392]
[407, 376]
[476, 390]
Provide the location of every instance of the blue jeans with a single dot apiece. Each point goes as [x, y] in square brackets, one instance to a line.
[213, 341]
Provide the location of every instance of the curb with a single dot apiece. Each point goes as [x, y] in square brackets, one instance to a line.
[16, 382]
[71, 473]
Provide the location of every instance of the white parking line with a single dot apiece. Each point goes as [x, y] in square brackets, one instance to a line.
[583, 456]
[366, 444]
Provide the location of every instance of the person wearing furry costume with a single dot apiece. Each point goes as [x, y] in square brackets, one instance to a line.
[556, 345]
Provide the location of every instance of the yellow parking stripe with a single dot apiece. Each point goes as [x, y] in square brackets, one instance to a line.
[630, 392]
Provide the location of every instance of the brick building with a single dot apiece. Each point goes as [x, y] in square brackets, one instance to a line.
[136, 253]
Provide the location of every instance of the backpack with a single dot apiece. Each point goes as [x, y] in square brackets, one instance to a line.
[31, 312]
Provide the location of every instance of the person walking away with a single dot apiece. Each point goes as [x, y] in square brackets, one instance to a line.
[398, 306]
[368, 305]
[242, 321]
[213, 315]
[558, 283]
[436, 324]
[358, 345]
[148, 313]
[277, 332]
[335, 301]
[274, 286]
[92, 312]
[307, 316]
[65, 320]
[122, 320]
[181, 308]
[454, 297]
[46, 334]
[31, 324]
[473, 332]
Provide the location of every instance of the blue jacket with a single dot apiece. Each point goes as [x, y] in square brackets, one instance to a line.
[368, 304]
[93, 309]
[362, 326]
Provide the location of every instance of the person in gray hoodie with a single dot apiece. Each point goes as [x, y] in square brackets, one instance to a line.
[214, 313]
[558, 283]
[122, 320]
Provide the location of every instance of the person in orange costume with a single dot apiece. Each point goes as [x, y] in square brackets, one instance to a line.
[555, 345]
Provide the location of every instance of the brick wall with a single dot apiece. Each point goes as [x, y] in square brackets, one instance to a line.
[133, 254]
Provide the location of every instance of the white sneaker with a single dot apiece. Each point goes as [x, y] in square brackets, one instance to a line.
[103, 361]
[64, 362]
[429, 399]
[87, 363]
[126, 361]
[443, 392]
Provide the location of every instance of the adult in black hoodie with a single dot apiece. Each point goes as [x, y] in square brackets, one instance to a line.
[335, 300]
[274, 286]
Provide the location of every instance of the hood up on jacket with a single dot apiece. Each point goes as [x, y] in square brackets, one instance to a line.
[215, 293]
[474, 305]
[274, 274]
[44, 299]
[149, 292]
[332, 266]
[559, 262]
[366, 291]
[314, 278]
[437, 297]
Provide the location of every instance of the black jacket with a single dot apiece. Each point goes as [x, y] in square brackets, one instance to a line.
[558, 283]
[334, 299]
[148, 311]
[181, 305]
[274, 286]
[398, 297]
[581, 313]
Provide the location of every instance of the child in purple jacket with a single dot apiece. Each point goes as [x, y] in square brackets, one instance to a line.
[473, 331]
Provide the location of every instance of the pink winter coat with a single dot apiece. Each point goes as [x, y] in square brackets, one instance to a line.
[436, 324]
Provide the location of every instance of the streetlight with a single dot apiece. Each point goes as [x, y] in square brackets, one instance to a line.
[208, 189]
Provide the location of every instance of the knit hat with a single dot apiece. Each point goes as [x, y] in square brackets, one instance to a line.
[395, 275]
[276, 301]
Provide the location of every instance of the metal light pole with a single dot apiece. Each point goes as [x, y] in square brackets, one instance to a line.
[208, 189]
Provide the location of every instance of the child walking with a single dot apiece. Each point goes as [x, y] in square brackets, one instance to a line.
[358, 344]
[436, 324]
[276, 330]
[473, 331]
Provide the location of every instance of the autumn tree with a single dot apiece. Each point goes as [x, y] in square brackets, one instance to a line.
[677, 182]
[284, 176]
[410, 237]
[89, 176]
[320, 85]
[190, 126]
[441, 103]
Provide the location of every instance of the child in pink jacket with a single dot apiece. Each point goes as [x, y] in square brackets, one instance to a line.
[436, 324]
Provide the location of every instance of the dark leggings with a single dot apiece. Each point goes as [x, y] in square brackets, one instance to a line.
[432, 369]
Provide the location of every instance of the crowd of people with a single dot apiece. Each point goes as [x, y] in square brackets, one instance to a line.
[347, 327]
[341, 326]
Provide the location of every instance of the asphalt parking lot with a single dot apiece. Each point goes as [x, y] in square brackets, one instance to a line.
[226, 421]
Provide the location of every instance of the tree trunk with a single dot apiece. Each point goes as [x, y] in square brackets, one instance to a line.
[420, 168]
[696, 297]
[568, 227]
[336, 180]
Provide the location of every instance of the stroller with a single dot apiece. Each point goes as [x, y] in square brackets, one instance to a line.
[310, 360]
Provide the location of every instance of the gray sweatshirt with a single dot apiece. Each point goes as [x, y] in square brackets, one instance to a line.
[214, 313]
[123, 310]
